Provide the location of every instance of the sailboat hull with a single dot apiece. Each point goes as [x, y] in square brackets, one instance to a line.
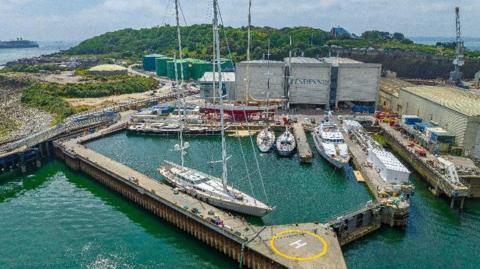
[252, 208]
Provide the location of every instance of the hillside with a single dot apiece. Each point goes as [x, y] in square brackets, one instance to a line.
[197, 42]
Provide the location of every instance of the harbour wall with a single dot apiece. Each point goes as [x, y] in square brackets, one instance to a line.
[180, 218]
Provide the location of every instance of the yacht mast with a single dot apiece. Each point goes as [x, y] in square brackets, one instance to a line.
[249, 44]
[179, 88]
[220, 93]
[268, 80]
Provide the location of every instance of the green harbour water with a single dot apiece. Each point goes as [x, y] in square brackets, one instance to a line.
[58, 218]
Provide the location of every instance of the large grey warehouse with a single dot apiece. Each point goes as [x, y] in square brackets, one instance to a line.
[455, 110]
[326, 82]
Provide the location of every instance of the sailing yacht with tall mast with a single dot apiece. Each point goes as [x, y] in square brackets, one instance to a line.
[210, 189]
[266, 137]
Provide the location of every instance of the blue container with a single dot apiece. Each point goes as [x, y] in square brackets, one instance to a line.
[422, 126]
[363, 109]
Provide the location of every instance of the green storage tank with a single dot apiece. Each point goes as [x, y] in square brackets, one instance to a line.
[149, 61]
[226, 64]
[199, 68]
[171, 69]
[161, 65]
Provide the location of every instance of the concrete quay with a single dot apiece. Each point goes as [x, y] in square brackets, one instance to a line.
[309, 246]
[392, 213]
[400, 144]
[304, 151]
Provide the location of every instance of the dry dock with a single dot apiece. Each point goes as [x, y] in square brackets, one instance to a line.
[304, 151]
[440, 184]
[309, 246]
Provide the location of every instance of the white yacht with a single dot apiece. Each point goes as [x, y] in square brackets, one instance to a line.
[212, 190]
[330, 143]
[286, 143]
[265, 140]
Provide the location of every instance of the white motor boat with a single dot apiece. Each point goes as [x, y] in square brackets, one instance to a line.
[330, 143]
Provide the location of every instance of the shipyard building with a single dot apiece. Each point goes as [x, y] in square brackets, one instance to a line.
[252, 80]
[308, 81]
[388, 95]
[206, 85]
[328, 82]
[455, 110]
[353, 81]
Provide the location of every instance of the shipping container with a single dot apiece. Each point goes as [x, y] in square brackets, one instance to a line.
[411, 119]
[149, 61]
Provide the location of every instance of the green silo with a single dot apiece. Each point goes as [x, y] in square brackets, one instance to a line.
[161, 65]
[199, 68]
[149, 61]
[226, 64]
[171, 69]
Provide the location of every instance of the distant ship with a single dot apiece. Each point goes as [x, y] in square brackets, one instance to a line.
[330, 143]
[18, 44]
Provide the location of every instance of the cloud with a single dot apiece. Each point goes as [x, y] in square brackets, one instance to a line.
[80, 19]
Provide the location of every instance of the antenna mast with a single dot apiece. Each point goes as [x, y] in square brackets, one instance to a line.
[220, 93]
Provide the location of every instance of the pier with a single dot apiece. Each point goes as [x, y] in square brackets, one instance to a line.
[304, 152]
[309, 245]
[456, 191]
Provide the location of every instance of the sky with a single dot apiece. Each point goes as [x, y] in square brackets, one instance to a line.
[76, 20]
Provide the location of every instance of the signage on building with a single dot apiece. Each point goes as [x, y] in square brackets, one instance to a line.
[307, 81]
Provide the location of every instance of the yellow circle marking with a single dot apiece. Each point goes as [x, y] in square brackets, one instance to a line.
[308, 258]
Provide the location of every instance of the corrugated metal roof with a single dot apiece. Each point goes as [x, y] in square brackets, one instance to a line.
[453, 98]
[303, 60]
[226, 76]
[393, 85]
[335, 61]
[261, 62]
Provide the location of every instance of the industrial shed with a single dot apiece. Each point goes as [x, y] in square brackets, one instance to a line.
[206, 85]
[258, 78]
[355, 81]
[455, 110]
[388, 95]
[309, 81]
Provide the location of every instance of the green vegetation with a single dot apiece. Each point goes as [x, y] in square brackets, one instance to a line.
[33, 68]
[50, 96]
[197, 41]
[106, 86]
[47, 96]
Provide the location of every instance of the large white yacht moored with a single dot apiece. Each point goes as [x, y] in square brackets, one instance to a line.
[330, 143]
[212, 190]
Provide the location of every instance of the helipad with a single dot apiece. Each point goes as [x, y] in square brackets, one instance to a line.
[299, 245]
[309, 246]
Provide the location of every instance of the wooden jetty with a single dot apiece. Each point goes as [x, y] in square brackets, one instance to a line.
[304, 151]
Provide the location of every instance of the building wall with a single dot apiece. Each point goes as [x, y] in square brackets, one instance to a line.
[310, 83]
[387, 102]
[258, 80]
[450, 120]
[358, 82]
[207, 92]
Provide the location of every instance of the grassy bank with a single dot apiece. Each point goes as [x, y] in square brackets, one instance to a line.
[50, 96]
